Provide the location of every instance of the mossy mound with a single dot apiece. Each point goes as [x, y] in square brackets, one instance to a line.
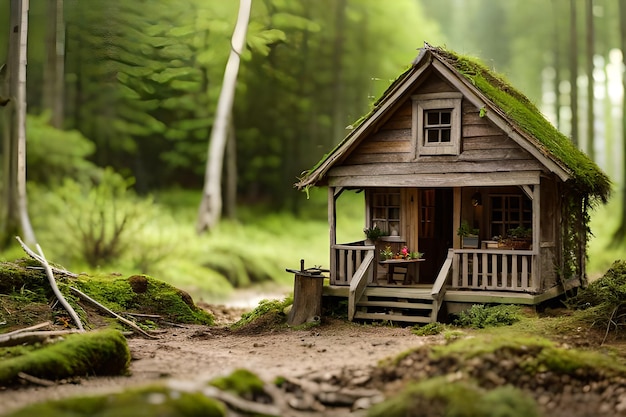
[24, 274]
[603, 303]
[549, 373]
[441, 397]
[102, 352]
[144, 294]
[269, 314]
[149, 401]
[25, 292]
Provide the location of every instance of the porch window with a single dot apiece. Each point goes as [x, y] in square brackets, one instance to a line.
[509, 212]
[385, 213]
[437, 123]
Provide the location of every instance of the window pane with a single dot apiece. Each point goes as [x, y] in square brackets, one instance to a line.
[432, 118]
[432, 135]
[446, 117]
[445, 135]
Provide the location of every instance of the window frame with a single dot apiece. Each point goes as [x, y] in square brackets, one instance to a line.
[437, 101]
[523, 212]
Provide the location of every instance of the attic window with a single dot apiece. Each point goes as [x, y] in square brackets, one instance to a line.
[437, 123]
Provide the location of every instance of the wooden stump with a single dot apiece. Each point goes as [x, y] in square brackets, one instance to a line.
[307, 299]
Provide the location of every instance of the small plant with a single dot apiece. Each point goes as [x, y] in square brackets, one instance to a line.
[374, 233]
[429, 329]
[520, 232]
[386, 253]
[480, 316]
[465, 230]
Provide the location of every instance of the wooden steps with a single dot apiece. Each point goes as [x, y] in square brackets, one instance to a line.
[402, 304]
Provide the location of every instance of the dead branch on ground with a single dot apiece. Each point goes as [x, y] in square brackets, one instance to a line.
[112, 313]
[29, 338]
[42, 259]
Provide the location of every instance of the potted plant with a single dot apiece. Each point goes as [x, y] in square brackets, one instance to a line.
[373, 233]
[469, 235]
[386, 253]
[520, 237]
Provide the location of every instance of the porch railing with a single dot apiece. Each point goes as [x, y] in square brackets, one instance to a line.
[489, 269]
[348, 258]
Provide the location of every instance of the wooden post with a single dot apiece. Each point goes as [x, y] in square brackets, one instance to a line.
[307, 298]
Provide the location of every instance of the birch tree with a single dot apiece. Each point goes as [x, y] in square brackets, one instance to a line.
[15, 213]
[211, 204]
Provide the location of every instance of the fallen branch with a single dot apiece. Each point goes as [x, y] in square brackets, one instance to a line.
[27, 329]
[30, 338]
[35, 380]
[240, 404]
[111, 312]
[42, 259]
[39, 259]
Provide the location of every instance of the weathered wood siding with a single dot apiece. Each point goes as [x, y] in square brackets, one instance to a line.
[391, 149]
[550, 254]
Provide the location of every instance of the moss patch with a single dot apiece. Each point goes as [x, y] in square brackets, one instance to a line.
[149, 401]
[103, 352]
[241, 382]
[268, 314]
[142, 293]
[439, 397]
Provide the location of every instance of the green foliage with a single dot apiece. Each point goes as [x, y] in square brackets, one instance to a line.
[99, 220]
[465, 230]
[429, 329]
[99, 353]
[480, 316]
[603, 302]
[439, 397]
[154, 400]
[54, 155]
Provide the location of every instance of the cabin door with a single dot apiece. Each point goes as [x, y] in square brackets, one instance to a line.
[435, 230]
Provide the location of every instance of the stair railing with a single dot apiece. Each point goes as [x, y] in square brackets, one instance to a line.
[439, 287]
[358, 284]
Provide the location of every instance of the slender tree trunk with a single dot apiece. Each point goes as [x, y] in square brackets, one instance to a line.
[573, 68]
[557, 64]
[15, 130]
[230, 201]
[590, 82]
[620, 233]
[211, 204]
[53, 98]
[339, 122]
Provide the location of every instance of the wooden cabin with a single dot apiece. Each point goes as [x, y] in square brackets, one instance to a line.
[450, 145]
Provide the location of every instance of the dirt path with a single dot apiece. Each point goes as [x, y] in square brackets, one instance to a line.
[201, 353]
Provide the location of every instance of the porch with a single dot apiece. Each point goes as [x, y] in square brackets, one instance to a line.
[466, 276]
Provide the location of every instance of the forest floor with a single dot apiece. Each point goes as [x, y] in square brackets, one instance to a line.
[200, 353]
[337, 351]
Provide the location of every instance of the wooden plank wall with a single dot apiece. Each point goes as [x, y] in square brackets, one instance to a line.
[484, 147]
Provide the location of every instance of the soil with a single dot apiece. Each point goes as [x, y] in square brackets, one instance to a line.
[346, 356]
[200, 353]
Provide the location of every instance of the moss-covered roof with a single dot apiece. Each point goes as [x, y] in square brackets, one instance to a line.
[512, 105]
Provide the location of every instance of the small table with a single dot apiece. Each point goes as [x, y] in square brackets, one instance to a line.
[392, 263]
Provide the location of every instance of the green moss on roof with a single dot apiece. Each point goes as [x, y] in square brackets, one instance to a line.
[519, 109]
[588, 178]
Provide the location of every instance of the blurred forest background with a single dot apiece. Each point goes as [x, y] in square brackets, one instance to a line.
[121, 99]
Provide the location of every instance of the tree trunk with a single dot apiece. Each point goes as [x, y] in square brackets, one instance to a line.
[211, 204]
[573, 68]
[620, 233]
[230, 201]
[53, 88]
[15, 130]
[557, 64]
[590, 81]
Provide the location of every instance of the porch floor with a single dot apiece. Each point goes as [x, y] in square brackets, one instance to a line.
[452, 295]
